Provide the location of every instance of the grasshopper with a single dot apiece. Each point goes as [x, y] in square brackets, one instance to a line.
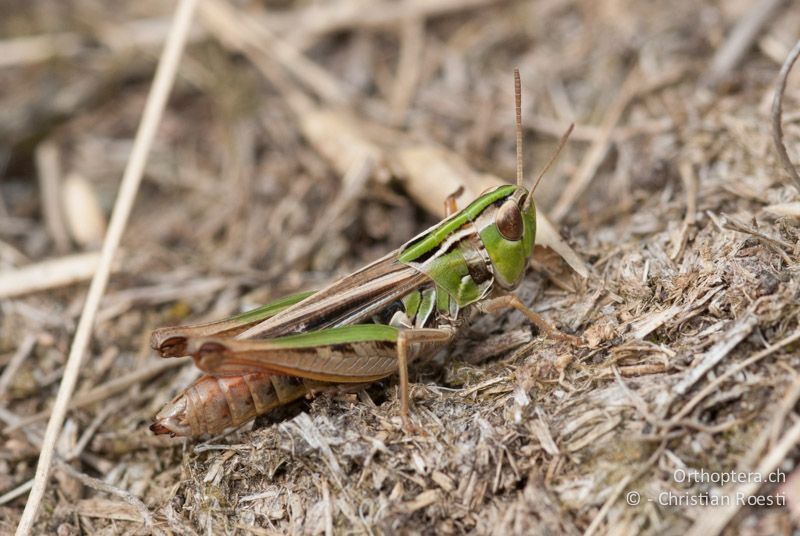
[367, 325]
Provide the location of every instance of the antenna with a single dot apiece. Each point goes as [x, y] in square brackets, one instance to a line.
[561, 144]
[518, 109]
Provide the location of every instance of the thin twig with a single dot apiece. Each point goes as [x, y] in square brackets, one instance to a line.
[156, 101]
[48, 167]
[739, 331]
[19, 357]
[777, 111]
[620, 487]
[241, 32]
[353, 184]
[99, 485]
[326, 498]
[689, 180]
[412, 45]
[711, 525]
[599, 149]
[632, 88]
[322, 18]
[304, 26]
[740, 40]
[48, 274]
[713, 386]
[104, 390]
[91, 430]
[16, 492]
[35, 48]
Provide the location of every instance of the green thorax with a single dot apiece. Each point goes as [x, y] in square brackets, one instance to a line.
[466, 254]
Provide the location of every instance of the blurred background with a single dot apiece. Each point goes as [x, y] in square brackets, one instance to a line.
[304, 139]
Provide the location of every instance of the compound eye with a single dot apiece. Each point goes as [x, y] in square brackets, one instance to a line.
[509, 221]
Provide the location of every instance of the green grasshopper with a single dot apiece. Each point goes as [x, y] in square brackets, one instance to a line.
[365, 326]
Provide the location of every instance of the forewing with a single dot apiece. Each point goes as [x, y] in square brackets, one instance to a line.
[350, 300]
[172, 341]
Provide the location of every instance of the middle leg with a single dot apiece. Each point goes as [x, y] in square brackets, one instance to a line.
[512, 301]
[405, 338]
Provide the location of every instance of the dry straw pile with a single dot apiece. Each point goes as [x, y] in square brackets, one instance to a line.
[302, 140]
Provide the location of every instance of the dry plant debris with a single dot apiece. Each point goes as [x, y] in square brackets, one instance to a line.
[297, 145]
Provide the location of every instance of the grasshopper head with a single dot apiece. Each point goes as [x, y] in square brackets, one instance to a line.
[508, 230]
[508, 226]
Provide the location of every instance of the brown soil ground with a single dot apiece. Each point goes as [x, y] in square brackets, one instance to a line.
[670, 190]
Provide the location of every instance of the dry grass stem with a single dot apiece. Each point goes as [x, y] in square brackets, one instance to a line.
[248, 35]
[599, 148]
[716, 522]
[104, 391]
[162, 83]
[729, 340]
[99, 485]
[16, 361]
[47, 160]
[49, 274]
[740, 40]
[777, 111]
